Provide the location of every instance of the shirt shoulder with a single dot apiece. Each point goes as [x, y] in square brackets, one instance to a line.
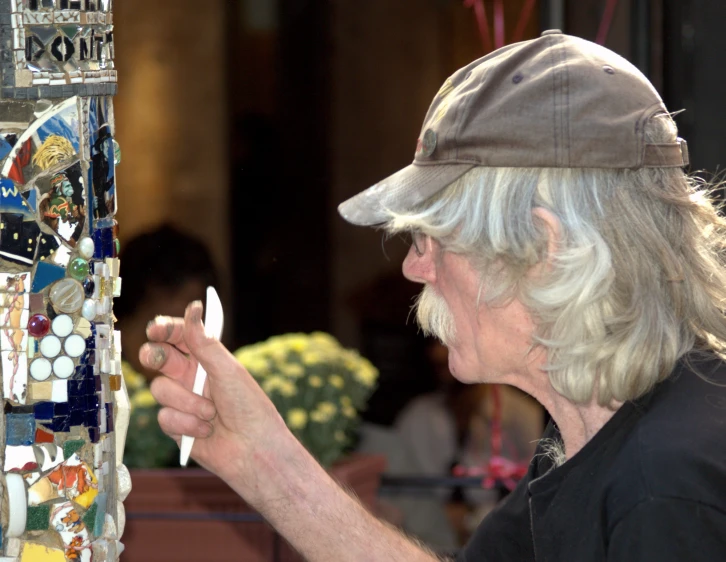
[676, 450]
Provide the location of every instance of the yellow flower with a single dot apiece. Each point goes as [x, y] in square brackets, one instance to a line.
[366, 373]
[340, 436]
[348, 411]
[324, 412]
[293, 370]
[256, 365]
[143, 399]
[310, 357]
[315, 381]
[278, 383]
[297, 418]
[337, 381]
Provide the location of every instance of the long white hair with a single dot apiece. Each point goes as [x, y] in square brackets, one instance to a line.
[637, 278]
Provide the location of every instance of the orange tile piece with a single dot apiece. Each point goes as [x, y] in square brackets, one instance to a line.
[43, 436]
[115, 381]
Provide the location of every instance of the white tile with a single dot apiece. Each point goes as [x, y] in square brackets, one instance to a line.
[60, 391]
[15, 376]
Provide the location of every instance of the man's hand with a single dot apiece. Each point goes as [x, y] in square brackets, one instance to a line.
[234, 421]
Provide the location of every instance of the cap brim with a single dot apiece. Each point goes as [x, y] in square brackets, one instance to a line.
[400, 192]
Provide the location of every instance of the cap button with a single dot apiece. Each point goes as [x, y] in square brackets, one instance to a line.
[551, 32]
[427, 144]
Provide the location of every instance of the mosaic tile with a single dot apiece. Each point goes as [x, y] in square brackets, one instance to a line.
[19, 429]
[45, 274]
[50, 346]
[15, 376]
[63, 367]
[19, 458]
[62, 325]
[38, 518]
[37, 303]
[40, 553]
[72, 447]
[17, 508]
[40, 370]
[60, 391]
[43, 437]
[51, 456]
[40, 390]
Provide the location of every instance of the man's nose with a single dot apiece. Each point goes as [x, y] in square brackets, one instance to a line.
[420, 268]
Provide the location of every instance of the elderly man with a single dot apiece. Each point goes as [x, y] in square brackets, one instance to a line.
[562, 250]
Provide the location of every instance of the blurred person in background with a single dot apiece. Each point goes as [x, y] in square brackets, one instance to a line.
[438, 431]
[162, 271]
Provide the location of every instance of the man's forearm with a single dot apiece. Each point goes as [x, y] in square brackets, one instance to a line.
[317, 516]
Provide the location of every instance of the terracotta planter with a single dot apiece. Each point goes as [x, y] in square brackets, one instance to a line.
[191, 515]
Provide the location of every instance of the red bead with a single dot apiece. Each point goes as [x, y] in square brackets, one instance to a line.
[38, 325]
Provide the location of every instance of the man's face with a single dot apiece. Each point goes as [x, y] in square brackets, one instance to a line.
[487, 343]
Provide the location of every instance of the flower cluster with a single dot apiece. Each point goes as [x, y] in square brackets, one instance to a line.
[317, 386]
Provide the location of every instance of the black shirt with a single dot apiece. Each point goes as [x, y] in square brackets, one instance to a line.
[649, 486]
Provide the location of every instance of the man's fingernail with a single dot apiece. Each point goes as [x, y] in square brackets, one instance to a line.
[197, 308]
[156, 357]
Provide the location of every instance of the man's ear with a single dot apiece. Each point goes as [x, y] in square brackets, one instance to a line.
[551, 227]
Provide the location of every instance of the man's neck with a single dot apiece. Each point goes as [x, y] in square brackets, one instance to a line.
[578, 423]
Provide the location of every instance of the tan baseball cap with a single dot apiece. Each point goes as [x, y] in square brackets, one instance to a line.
[555, 101]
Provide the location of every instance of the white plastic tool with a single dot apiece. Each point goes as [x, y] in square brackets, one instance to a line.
[213, 322]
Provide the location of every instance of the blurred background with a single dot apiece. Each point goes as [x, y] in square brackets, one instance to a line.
[243, 124]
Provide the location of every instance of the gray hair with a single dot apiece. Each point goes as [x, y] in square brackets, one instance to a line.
[637, 278]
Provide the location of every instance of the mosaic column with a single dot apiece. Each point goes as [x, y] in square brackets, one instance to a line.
[65, 407]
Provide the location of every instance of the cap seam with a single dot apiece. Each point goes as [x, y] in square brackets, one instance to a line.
[460, 119]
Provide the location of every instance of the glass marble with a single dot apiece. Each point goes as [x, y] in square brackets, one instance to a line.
[38, 325]
[89, 309]
[78, 269]
[89, 286]
[86, 248]
[67, 295]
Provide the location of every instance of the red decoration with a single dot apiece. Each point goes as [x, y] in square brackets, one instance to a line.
[498, 470]
[38, 325]
[606, 22]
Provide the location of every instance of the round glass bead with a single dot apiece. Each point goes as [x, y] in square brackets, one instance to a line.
[89, 286]
[89, 309]
[78, 269]
[50, 346]
[67, 295]
[38, 325]
[86, 247]
[75, 345]
[40, 369]
[63, 367]
[62, 325]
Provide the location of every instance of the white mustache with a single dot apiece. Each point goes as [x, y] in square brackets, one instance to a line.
[434, 316]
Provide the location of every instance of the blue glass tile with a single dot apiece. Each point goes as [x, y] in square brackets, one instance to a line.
[60, 424]
[90, 418]
[62, 409]
[45, 274]
[94, 402]
[20, 429]
[76, 387]
[44, 410]
[76, 417]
